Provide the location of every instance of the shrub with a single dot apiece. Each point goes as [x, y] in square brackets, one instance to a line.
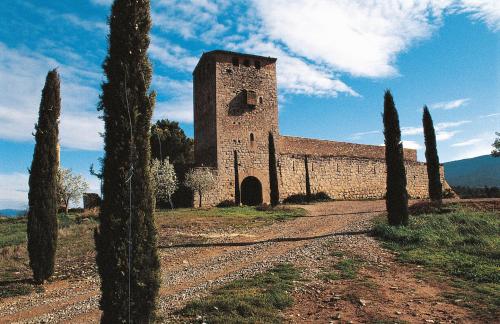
[226, 203]
[303, 199]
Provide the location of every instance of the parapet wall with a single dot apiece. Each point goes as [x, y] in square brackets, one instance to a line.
[299, 145]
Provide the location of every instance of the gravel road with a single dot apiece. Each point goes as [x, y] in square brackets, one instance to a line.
[188, 271]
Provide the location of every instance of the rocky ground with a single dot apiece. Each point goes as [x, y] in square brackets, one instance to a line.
[381, 290]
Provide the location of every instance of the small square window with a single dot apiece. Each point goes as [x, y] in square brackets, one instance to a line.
[250, 98]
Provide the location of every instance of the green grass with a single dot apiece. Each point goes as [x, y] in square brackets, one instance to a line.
[12, 231]
[277, 213]
[344, 269]
[462, 245]
[255, 300]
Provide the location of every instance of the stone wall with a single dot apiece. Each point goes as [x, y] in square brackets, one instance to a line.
[346, 178]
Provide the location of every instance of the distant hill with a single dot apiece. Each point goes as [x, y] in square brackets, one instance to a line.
[475, 172]
[12, 212]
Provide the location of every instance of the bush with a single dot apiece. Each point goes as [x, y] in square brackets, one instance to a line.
[303, 199]
[226, 203]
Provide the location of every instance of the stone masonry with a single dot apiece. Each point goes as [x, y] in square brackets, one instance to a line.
[235, 109]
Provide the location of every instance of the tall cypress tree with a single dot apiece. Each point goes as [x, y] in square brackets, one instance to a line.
[126, 239]
[43, 200]
[396, 196]
[432, 158]
[308, 180]
[237, 193]
[273, 173]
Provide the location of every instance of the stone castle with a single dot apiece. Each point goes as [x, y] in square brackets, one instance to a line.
[235, 109]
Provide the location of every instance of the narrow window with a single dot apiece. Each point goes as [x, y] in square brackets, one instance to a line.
[252, 138]
[246, 63]
[257, 65]
[374, 169]
[359, 169]
[236, 62]
[261, 100]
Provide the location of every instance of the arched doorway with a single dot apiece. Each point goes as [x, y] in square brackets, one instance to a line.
[251, 191]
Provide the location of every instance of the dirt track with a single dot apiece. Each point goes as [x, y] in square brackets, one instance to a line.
[189, 270]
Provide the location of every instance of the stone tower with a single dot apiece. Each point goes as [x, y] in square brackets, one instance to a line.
[235, 108]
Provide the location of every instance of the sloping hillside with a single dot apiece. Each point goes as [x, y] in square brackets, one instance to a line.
[475, 172]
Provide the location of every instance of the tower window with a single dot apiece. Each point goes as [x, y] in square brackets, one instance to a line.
[250, 98]
[261, 100]
[246, 63]
[257, 65]
[236, 62]
[252, 138]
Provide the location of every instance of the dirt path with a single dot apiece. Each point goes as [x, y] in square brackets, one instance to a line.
[189, 270]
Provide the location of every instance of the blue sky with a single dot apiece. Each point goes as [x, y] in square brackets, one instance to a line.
[335, 59]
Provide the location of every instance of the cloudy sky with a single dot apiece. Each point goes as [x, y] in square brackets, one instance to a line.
[335, 59]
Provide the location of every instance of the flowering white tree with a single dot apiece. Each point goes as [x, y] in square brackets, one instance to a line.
[200, 180]
[70, 187]
[164, 180]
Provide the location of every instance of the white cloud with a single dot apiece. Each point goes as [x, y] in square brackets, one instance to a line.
[445, 135]
[480, 145]
[447, 105]
[445, 125]
[470, 142]
[14, 190]
[358, 37]
[190, 19]
[22, 76]
[482, 10]
[84, 24]
[179, 106]
[412, 145]
[172, 55]
[442, 134]
[490, 115]
[408, 131]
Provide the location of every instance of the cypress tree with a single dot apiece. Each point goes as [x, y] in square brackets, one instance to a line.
[43, 200]
[396, 196]
[432, 158]
[308, 180]
[273, 173]
[237, 194]
[126, 239]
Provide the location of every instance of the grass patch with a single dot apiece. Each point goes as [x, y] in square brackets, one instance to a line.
[248, 212]
[12, 231]
[255, 300]
[344, 269]
[463, 245]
